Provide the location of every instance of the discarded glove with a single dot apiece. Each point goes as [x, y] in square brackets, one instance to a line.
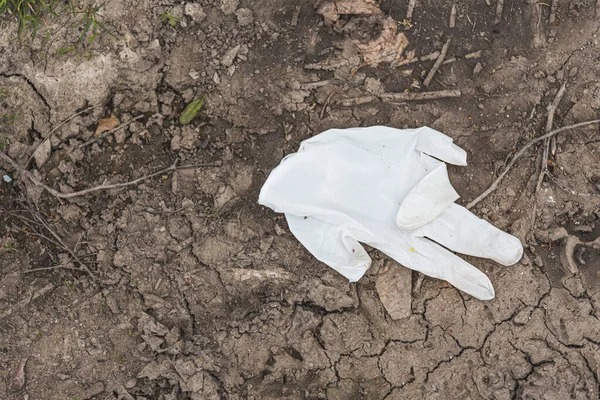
[383, 187]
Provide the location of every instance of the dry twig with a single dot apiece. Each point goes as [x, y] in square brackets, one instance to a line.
[439, 94]
[325, 104]
[410, 8]
[438, 63]
[553, 7]
[499, 8]
[60, 125]
[453, 16]
[105, 134]
[518, 155]
[60, 195]
[549, 122]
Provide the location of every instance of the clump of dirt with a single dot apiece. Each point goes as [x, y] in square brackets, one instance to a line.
[181, 286]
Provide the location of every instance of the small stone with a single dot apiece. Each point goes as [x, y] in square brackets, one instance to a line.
[229, 56]
[229, 6]
[478, 68]
[194, 74]
[522, 316]
[216, 78]
[538, 261]
[550, 79]
[194, 11]
[130, 384]
[95, 390]
[226, 193]
[244, 17]
[573, 72]
[120, 136]
[560, 75]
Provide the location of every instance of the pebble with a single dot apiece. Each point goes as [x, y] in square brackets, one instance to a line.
[130, 384]
[244, 16]
[194, 11]
[573, 72]
[229, 6]
[478, 68]
[229, 56]
[538, 261]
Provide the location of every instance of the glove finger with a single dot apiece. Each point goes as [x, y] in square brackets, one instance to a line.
[332, 245]
[460, 230]
[437, 262]
[440, 146]
[427, 200]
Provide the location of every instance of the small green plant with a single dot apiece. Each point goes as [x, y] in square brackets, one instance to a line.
[170, 19]
[8, 247]
[27, 12]
[118, 358]
[90, 21]
[3, 141]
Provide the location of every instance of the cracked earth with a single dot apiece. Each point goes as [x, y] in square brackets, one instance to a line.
[200, 293]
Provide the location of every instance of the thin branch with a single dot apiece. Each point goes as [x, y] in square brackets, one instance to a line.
[105, 134]
[518, 155]
[103, 186]
[60, 266]
[549, 122]
[326, 103]
[63, 245]
[438, 63]
[553, 8]
[568, 189]
[499, 8]
[410, 8]
[60, 125]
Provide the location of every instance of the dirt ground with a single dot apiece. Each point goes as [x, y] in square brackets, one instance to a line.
[197, 292]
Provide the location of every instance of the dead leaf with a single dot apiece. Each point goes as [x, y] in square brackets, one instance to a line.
[388, 47]
[107, 124]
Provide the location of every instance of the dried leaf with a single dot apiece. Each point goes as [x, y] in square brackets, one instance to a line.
[388, 47]
[107, 124]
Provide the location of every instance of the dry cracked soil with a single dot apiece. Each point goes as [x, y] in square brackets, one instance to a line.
[194, 291]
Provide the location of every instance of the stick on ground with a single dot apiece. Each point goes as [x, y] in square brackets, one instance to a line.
[453, 16]
[499, 8]
[61, 124]
[518, 155]
[105, 134]
[551, 109]
[553, 7]
[60, 195]
[440, 94]
[438, 63]
[410, 8]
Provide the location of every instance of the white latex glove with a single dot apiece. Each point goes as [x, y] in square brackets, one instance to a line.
[382, 186]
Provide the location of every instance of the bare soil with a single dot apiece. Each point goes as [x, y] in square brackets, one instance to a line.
[200, 293]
